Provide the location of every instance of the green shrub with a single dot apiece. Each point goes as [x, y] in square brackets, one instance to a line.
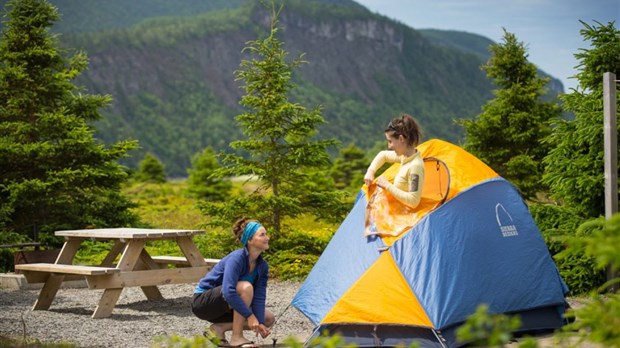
[216, 243]
[558, 224]
[200, 183]
[554, 221]
[578, 272]
[290, 264]
[577, 267]
[7, 258]
[293, 255]
[598, 320]
[151, 169]
[306, 242]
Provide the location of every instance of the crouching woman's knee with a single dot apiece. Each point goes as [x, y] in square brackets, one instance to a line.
[245, 290]
[269, 318]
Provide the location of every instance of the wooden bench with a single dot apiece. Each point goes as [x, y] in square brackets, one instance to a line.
[179, 261]
[40, 272]
[66, 269]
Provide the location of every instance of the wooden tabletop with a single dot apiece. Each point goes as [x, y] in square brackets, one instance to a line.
[127, 233]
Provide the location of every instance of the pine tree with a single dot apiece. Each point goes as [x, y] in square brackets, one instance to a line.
[508, 134]
[349, 168]
[54, 173]
[575, 167]
[150, 169]
[201, 183]
[281, 148]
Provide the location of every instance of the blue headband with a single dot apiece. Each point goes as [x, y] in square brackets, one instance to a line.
[248, 231]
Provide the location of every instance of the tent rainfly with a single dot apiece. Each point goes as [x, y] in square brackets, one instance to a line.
[471, 241]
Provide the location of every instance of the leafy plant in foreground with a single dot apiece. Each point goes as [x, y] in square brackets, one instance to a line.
[599, 319]
[482, 328]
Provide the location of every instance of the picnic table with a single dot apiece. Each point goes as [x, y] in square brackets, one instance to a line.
[135, 267]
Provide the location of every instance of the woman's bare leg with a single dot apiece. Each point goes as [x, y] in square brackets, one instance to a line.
[219, 330]
[246, 291]
[270, 319]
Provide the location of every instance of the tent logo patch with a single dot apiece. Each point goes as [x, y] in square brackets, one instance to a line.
[504, 221]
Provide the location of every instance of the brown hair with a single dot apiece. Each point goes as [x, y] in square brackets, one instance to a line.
[406, 126]
[239, 226]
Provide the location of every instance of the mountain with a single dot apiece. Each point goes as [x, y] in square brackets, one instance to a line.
[169, 67]
[479, 45]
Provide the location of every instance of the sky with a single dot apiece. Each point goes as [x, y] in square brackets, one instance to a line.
[549, 29]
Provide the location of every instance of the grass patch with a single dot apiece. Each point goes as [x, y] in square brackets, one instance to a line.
[165, 205]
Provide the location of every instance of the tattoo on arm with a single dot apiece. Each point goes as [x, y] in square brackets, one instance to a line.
[414, 182]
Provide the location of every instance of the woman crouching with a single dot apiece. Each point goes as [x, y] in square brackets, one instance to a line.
[232, 295]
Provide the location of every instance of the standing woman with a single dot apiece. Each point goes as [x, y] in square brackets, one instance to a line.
[232, 295]
[403, 136]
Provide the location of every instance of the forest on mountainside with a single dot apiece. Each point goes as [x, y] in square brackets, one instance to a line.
[170, 71]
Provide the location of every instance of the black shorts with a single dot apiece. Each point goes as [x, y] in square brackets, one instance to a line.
[211, 306]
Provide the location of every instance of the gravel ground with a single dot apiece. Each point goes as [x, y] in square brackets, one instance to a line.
[135, 322]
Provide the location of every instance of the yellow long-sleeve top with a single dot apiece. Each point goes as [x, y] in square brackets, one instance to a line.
[408, 182]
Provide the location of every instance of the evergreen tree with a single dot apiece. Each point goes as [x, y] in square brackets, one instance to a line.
[349, 168]
[151, 169]
[280, 143]
[201, 183]
[575, 167]
[508, 134]
[55, 175]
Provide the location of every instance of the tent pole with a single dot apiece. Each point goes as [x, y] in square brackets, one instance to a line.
[611, 154]
[440, 338]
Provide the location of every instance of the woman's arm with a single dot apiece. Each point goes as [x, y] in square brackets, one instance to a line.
[407, 188]
[380, 159]
[235, 267]
[260, 292]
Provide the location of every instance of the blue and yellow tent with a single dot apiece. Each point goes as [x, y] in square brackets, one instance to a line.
[471, 241]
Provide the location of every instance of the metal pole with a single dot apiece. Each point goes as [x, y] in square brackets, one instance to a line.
[611, 153]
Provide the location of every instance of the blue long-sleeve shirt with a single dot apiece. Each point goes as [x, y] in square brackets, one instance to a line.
[227, 273]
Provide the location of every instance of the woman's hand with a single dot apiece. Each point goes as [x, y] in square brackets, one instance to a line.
[263, 331]
[253, 323]
[382, 182]
[258, 328]
[368, 178]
